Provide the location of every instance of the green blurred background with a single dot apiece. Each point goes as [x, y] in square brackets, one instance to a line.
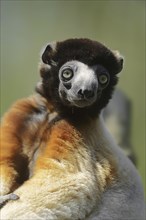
[26, 26]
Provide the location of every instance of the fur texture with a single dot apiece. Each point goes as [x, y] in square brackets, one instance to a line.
[59, 160]
[90, 53]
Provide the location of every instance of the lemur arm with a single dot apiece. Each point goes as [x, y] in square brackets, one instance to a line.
[19, 129]
[65, 184]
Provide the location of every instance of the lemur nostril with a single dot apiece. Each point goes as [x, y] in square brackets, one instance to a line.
[86, 93]
[81, 93]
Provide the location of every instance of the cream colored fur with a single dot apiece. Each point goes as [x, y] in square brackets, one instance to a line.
[82, 194]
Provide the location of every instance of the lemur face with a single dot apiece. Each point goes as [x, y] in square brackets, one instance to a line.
[79, 75]
[80, 84]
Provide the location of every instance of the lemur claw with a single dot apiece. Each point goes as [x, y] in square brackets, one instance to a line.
[8, 197]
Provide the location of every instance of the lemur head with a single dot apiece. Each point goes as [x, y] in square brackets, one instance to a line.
[79, 75]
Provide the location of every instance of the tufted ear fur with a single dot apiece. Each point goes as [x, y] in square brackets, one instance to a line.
[39, 89]
[48, 52]
[46, 61]
[89, 52]
[84, 50]
[120, 60]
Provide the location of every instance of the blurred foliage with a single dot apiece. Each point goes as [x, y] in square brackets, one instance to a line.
[26, 26]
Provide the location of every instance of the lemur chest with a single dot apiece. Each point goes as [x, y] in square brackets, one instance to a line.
[59, 144]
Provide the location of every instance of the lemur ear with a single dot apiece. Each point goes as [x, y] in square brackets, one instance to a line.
[39, 88]
[120, 60]
[47, 61]
[48, 52]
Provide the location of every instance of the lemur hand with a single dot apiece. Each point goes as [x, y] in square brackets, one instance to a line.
[8, 197]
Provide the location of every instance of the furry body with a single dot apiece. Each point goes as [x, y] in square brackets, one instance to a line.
[61, 165]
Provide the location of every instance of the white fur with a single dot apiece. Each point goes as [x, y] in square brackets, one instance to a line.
[51, 44]
[47, 66]
[82, 73]
[125, 200]
[84, 78]
[44, 66]
[121, 201]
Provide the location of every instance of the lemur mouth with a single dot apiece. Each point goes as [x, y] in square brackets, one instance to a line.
[79, 103]
[76, 102]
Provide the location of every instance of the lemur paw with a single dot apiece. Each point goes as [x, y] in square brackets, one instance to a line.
[8, 197]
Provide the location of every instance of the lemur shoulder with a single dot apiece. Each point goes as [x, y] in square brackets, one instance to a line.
[58, 161]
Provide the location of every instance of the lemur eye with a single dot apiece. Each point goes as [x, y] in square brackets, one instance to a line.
[103, 78]
[67, 74]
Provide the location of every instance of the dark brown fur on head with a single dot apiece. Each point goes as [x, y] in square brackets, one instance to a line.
[88, 52]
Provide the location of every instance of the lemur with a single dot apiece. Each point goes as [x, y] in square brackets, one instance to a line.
[58, 161]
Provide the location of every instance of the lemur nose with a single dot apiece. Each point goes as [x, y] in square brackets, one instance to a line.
[86, 93]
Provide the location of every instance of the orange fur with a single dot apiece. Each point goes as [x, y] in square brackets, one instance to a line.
[61, 145]
[17, 139]
[23, 132]
[58, 158]
[53, 156]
